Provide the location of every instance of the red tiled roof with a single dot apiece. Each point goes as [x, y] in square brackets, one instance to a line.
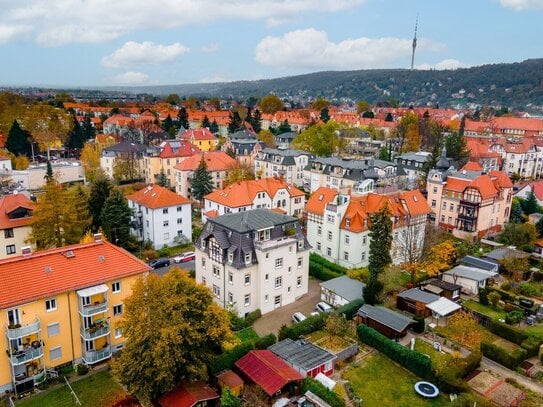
[197, 134]
[213, 213]
[185, 149]
[42, 274]
[267, 370]
[187, 395]
[215, 161]
[155, 196]
[472, 166]
[318, 200]
[8, 203]
[503, 180]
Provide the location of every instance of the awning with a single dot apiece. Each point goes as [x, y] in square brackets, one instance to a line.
[326, 381]
[443, 307]
[433, 289]
[89, 292]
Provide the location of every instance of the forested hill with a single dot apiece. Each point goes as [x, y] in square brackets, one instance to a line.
[515, 85]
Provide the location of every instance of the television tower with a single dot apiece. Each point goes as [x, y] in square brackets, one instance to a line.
[414, 43]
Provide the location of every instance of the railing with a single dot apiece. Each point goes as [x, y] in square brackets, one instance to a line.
[24, 330]
[96, 356]
[272, 244]
[88, 310]
[22, 357]
[93, 333]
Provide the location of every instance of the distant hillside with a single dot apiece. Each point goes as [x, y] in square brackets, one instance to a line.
[516, 85]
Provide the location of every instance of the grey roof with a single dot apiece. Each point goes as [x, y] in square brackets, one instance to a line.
[286, 152]
[345, 287]
[386, 316]
[124, 147]
[471, 273]
[483, 264]
[501, 253]
[243, 134]
[421, 156]
[256, 219]
[418, 295]
[301, 354]
[442, 284]
[286, 136]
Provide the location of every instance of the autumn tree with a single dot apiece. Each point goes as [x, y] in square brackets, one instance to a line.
[270, 104]
[99, 192]
[127, 167]
[464, 330]
[21, 162]
[239, 172]
[18, 140]
[90, 160]
[320, 104]
[321, 140]
[229, 399]
[267, 137]
[201, 183]
[115, 218]
[407, 133]
[363, 106]
[379, 255]
[173, 330]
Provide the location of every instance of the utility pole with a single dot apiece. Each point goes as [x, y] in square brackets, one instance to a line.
[414, 43]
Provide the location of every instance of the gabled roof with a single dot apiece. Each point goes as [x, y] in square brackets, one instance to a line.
[385, 316]
[483, 264]
[318, 200]
[188, 394]
[10, 203]
[155, 196]
[418, 295]
[345, 287]
[301, 354]
[215, 161]
[471, 273]
[200, 134]
[267, 370]
[42, 274]
[472, 166]
[173, 149]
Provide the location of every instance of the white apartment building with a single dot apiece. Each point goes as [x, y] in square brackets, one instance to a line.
[252, 260]
[521, 156]
[288, 164]
[161, 216]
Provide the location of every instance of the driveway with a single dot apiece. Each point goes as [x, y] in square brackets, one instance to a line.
[272, 321]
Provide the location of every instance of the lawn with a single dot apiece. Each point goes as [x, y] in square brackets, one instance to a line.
[247, 335]
[380, 382]
[440, 360]
[329, 342]
[488, 310]
[96, 390]
[536, 330]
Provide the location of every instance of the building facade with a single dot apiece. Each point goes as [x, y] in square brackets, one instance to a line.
[15, 223]
[288, 164]
[165, 158]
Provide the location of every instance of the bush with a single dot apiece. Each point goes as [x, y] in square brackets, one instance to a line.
[349, 310]
[514, 317]
[413, 361]
[324, 393]
[165, 251]
[238, 323]
[531, 344]
[336, 268]
[420, 325]
[252, 317]
[265, 341]
[149, 254]
[505, 296]
[504, 357]
[307, 326]
[81, 370]
[508, 332]
[227, 359]
[483, 296]
[320, 272]
[493, 298]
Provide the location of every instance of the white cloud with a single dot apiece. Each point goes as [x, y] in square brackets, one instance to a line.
[520, 5]
[210, 48]
[130, 78]
[13, 32]
[214, 78]
[445, 64]
[75, 21]
[311, 49]
[140, 53]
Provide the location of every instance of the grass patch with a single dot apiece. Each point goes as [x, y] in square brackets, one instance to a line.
[380, 382]
[488, 310]
[505, 344]
[247, 335]
[96, 390]
[535, 330]
[440, 360]
[329, 342]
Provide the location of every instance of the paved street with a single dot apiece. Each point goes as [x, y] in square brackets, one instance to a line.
[188, 265]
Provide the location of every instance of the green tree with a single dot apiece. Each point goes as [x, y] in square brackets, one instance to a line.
[89, 132]
[173, 99]
[229, 399]
[206, 124]
[539, 228]
[99, 192]
[518, 234]
[167, 124]
[162, 179]
[115, 218]
[173, 330]
[379, 255]
[320, 104]
[321, 140]
[530, 205]
[182, 119]
[267, 137]
[18, 140]
[202, 183]
[234, 122]
[230, 151]
[325, 116]
[363, 106]
[256, 121]
[76, 138]
[214, 127]
[457, 148]
[49, 176]
[270, 104]
[516, 211]
[384, 153]
[283, 128]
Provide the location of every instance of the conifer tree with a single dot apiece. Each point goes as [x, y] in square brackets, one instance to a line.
[183, 119]
[162, 180]
[256, 121]
[167, 124]
[89, 132]
[49, 177]
[325, 115]
[205, 122]
[530, 205]
[214, 127]
[115, 217]
[99, 192]
[202, 183]
[18, 140]
[234, 123]
[76, 138]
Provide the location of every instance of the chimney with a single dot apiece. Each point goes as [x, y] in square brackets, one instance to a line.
[26, 251]
[97, 237]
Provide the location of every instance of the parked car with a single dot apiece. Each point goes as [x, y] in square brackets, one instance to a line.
[323, 307]
[183, 257]
[298, 317]
[160, 262]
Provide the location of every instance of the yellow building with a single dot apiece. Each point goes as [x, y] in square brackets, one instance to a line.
[62, 306]
[15, 223]
[169, 154]
[201, 138]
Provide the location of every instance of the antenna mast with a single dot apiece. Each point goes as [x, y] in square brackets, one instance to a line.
[414, 43]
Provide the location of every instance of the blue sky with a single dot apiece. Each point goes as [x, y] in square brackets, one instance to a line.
[133, 42]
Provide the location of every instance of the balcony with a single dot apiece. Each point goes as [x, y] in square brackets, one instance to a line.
[96, 331]
[36, 379]
[24, 330]
[89, 310]
[264, 245]
[27, 355]
[470, 204]
[467, 218]
[92, 357]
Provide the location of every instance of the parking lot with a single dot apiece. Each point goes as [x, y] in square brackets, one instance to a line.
[188, 265]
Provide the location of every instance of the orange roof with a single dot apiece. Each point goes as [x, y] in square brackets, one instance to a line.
[485, 186]
[503, 180]
[472, 166]
[488, 185]
[318, 200]
[243, 193]
[119, 120]
[213, 213]
[42, 274]
[9, 203]
[188, 394]
[155, 196]
[457, 184]
[215, 161]
[197, 134]
[185, 149]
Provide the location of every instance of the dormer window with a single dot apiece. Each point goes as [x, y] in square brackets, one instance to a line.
[230, 257]
[264, 235]
[248, 258]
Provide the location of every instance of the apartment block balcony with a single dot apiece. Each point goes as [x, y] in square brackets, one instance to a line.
[20, 331]
[97, 330]
[91, 357]
[35, 351]
[264, 245]
[96, 308]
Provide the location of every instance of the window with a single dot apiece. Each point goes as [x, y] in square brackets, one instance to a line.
[442, 218]
[319, 230]
[8, 233]
[364, 239]
[179, 209]
[329, 235]
[277, 301]
[216, 271]
[300, 262]
[319, 246]
[330, 218]
[230, 298]
[279, 262]
[165, 211]
[346, 256]
[216, 291]
[347, 239]
[166, 236]
[299, 281]
[203, 263]
[165, 223]
[203, 280]
[328, 251]
[266, 277]
[230, 257]
[433, 203]
[247, 300]
[230, 278]
[444, 205]
[118, 333]
[267, 256]
[53, 329]
[116, 287]
[247, 258]
[10, 249]
[51, 304]
[266, 298]
[278, 282]
[451, 207]
[55, 353]
[179, 221]
[363, 256]
[247, 279]
[118, 309]
[347, 222]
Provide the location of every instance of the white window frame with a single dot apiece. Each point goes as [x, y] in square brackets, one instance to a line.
[51, 304]
[116, 287]
[118, 309]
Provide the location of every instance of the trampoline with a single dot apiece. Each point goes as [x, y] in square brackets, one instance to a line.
[426, 390]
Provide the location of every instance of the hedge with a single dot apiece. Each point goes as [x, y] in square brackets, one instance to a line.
[307, 326]
[350, 309]
[531, 344]
[227, 359]
[420, 325]
[265, 341]
[503, 356]
[413, 361]
[508, 332]
[321, 391]
[505, 295]
[336, 268]
[321, 272]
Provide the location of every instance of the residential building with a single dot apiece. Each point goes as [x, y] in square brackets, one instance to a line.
[442, 288]
[33, 178]
[308, 359]
[415, 301]
[266, 193]
[519, 156]
[284, 141]
[338, 224]
[245, 146]
[252, 260]
[201, 138]
[390, 323]
[123, 159]
[471, 279]
[412, 164]
[345, 174]
[505, 126]
[535, 187]
[470, 204]
[160, 216]
[341, 290]
[60, 306]
[288, 164]
[15, 223]
[480, 152]
[218, 165]
[163, 160]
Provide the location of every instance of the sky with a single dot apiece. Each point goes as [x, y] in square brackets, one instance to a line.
[72, 43]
